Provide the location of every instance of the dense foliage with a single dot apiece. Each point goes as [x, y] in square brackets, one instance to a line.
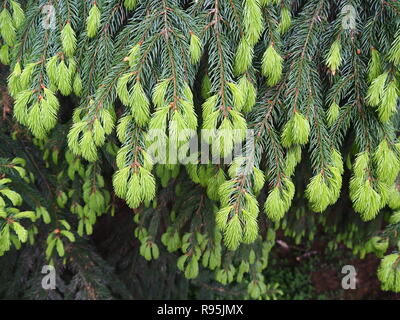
[301, 94]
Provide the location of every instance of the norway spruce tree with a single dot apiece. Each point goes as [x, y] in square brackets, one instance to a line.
[200, 128]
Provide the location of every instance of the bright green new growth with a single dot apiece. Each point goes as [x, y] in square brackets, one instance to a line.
[141, 187]
[140, 105]
[324, 188]
[12, 231]
[376, 90]
[195, 48]
[52, 71]
[64, 78]
[14, 85]
[237, 218]
[7, 28]
[375, 65]
[389, 273]
[253, 21]
[85, 136]
[4, 55]
[149, 249]
[130, 4]
[387, 163]
[93, 21]
[388, 105]
[250, 93]
[25, 76]
[152, 56]
[394, 54]
[253, 27]
[21, 101]
[367, 194]
[366, 200]
[293, 157]
[279, 200]
[18, 14]
[361, 164]
[394, 197]
[296, 130]
[68, 39]
[213, 188]
[159, 93]
[259, 179]
[233, 232]
[286, 20]
[237, 94]
[334, 57]
[77, 85]
[122, 88]
[330, 181]
[38, 113]
[244, 56]
[337, 161]
[272, 65]
[333, 113]
[318, 193]
[136, 185]
[134, 55]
